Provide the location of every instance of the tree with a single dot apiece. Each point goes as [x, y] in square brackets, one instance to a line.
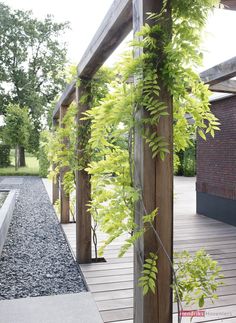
[17, 127]
[32, 62]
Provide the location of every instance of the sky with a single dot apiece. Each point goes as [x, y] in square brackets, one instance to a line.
[85, 17]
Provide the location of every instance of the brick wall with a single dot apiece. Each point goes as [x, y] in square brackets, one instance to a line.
[216, 157]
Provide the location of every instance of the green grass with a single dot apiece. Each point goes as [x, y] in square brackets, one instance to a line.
[32, 167]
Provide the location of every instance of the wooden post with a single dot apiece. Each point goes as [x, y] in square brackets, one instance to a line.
[155, 179]
[64, 197]
[83, 189]
[55, 187]
[55, 182]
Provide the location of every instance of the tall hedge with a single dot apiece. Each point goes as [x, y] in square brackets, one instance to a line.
[189, 162]
[5, 155]
[186, 162]
[42, 155]
[43, 163]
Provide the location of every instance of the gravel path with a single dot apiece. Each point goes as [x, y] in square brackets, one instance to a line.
[36, 259]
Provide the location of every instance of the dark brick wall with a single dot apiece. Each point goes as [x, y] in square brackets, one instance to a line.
[216, 157]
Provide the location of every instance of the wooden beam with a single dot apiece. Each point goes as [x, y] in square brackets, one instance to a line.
[141, 158]
[55, 182]
[67, 97]
[229, 4]
[228, 86]
[64, 197]
[114, 28]
[83, 188]
[154, 178]
[220, 72]
[214, 75]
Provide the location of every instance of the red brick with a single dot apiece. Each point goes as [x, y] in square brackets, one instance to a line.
[216, 157]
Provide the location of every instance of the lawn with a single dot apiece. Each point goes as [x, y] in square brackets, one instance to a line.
[32, 166]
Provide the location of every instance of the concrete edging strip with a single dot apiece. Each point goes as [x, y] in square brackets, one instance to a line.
[6, 212]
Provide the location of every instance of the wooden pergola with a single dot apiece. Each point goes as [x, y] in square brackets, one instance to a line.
[152, 176]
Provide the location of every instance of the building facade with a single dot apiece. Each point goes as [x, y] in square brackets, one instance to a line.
[216, 165]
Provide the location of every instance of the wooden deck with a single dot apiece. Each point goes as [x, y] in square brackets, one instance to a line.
[111, 283]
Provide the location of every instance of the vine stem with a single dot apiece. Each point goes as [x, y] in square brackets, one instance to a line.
[95, 241]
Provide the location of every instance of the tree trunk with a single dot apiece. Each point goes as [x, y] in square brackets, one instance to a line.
[16, 158]
[22, 157]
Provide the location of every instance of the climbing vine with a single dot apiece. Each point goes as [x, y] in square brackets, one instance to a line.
[169, 62]
[112, 122]
[64, 154]
[112, 125]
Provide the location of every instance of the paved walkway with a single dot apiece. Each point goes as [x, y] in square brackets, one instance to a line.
[71, 308]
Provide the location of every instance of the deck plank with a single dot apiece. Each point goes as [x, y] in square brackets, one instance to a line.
[111, 283]
[115, 304]
[117, 315]
[114, 294]
[109, 279]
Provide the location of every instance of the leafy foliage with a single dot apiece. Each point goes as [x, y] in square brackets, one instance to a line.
[197, 277]
[112, 121]
[43, 160]
[5, 155]
[17, 128]
[63, 153]
[113, 196]
[31, 64]
[187, 161]
[166, 62]
[17, 125]
[148, 280]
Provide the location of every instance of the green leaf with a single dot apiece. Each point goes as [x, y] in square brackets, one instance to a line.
[201, 301]
[145, 289]
[201, 134]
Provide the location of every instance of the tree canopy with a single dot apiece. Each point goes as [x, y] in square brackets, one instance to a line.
[17, 128]
[32, 61]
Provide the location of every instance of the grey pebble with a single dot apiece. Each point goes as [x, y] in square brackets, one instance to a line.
[36, 260]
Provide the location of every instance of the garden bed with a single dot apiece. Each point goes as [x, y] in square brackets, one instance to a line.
[36, 259]
[7, 203]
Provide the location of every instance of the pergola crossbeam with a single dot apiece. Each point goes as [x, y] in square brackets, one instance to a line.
[229, 4]
[115, 27]
[218, 78]
[228, 86]
[67, 97]
[219, 73]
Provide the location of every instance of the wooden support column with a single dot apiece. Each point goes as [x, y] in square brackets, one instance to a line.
[55, 182]
[55, 187]
[64, 197]
[154, 178]
[83, 188]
